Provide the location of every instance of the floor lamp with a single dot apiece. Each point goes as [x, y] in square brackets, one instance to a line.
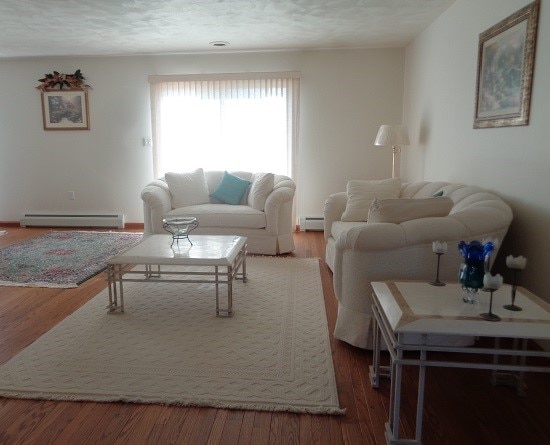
[394, 135]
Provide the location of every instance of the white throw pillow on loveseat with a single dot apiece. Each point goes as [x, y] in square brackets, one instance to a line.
[187, 188]
[361, 194]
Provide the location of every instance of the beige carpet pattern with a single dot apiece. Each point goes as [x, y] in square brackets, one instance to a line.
[168, 347]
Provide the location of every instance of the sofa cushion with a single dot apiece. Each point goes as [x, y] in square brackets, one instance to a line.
[230, 189]
[397, 210]
[187, 188]
[223, 215]
[262, 186]
[340, 227]
[362, 193]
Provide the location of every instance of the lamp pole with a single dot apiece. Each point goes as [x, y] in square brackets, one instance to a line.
[393, 136]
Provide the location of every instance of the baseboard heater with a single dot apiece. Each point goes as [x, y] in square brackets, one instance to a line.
[69, 220]
[312, 223]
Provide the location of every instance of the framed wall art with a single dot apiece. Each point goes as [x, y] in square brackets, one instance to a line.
[65, 109]
[506, 57]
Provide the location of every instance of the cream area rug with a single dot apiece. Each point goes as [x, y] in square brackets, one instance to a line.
[169, 347]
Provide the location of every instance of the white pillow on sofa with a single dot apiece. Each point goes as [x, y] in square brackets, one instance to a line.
[362, 193]
[398, 210]
[187, 188]
[262, 186]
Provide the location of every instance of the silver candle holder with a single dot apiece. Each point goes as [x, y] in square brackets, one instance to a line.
[515, 264]
[439, 249]
[491, 283]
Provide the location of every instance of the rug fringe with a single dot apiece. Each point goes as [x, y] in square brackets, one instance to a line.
[38, 284]
[197, 403]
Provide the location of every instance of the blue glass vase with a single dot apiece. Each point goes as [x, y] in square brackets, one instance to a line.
[476, 260]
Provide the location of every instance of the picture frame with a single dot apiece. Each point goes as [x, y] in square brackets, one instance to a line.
[505, 64]
[65, 109]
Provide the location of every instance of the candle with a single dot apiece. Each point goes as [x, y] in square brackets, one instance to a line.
[492, 282]
[518, 262]
[439, 247]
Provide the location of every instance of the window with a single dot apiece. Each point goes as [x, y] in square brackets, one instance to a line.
[242, 122]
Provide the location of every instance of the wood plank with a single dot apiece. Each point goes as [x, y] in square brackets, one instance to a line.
[51, 428]
[200, 431]
[12, 412]
[110, 425]
[166, 430]
[73, 427]
[245, 434]
[28, 419]
[261, 428]
[232, 429]
[216, 433]
[285, 428]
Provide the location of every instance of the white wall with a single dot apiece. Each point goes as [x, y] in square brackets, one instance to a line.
[440, 77]
[345, 96]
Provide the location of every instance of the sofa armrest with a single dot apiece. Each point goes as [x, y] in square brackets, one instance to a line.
[157, 201]
[335, 205]
[278, 210]
[373, 237]
[378, 237]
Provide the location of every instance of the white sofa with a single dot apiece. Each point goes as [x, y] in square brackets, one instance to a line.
[263, 215]
[361, 252]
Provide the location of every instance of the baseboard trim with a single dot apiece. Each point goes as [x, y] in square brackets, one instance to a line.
[130, 226]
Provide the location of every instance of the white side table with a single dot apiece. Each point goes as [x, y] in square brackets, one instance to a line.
[402, 308]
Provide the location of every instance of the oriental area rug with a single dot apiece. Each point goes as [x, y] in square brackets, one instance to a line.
[168, 346]
[61, 259]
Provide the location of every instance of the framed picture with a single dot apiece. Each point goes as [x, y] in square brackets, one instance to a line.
[505, 64]
[65, 110]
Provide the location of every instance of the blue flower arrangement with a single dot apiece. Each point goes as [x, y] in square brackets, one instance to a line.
[476, 256]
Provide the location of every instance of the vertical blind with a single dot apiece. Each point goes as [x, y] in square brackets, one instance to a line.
[246, 121]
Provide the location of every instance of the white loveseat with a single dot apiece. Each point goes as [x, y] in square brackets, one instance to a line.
[263, 215]
[359, 252]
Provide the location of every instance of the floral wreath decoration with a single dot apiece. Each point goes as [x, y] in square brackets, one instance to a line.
[56, 79]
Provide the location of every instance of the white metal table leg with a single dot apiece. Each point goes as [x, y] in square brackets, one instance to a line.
[121, 288]
[374, 370]
[230, 291]
[420, 397]
[395, 398]
[245, 278]
[112, 287]
[514, 379]
[217, 279]
[114, 278]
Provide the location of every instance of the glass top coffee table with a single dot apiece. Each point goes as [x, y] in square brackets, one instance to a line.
[222, 259]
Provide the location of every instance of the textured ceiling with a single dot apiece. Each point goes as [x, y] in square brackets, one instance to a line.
[109, 27]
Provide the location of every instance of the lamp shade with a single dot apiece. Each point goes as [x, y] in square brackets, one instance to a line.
[392, 135]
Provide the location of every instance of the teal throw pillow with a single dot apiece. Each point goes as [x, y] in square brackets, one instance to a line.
[437, 194]
[231, 189]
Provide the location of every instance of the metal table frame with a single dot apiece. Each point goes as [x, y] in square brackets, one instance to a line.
[118, 273]
[417, 355]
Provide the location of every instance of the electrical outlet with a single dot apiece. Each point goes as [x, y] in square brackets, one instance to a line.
[71, 196]
[147, 142]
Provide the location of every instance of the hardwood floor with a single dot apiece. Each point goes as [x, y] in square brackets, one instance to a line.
[461, 406]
